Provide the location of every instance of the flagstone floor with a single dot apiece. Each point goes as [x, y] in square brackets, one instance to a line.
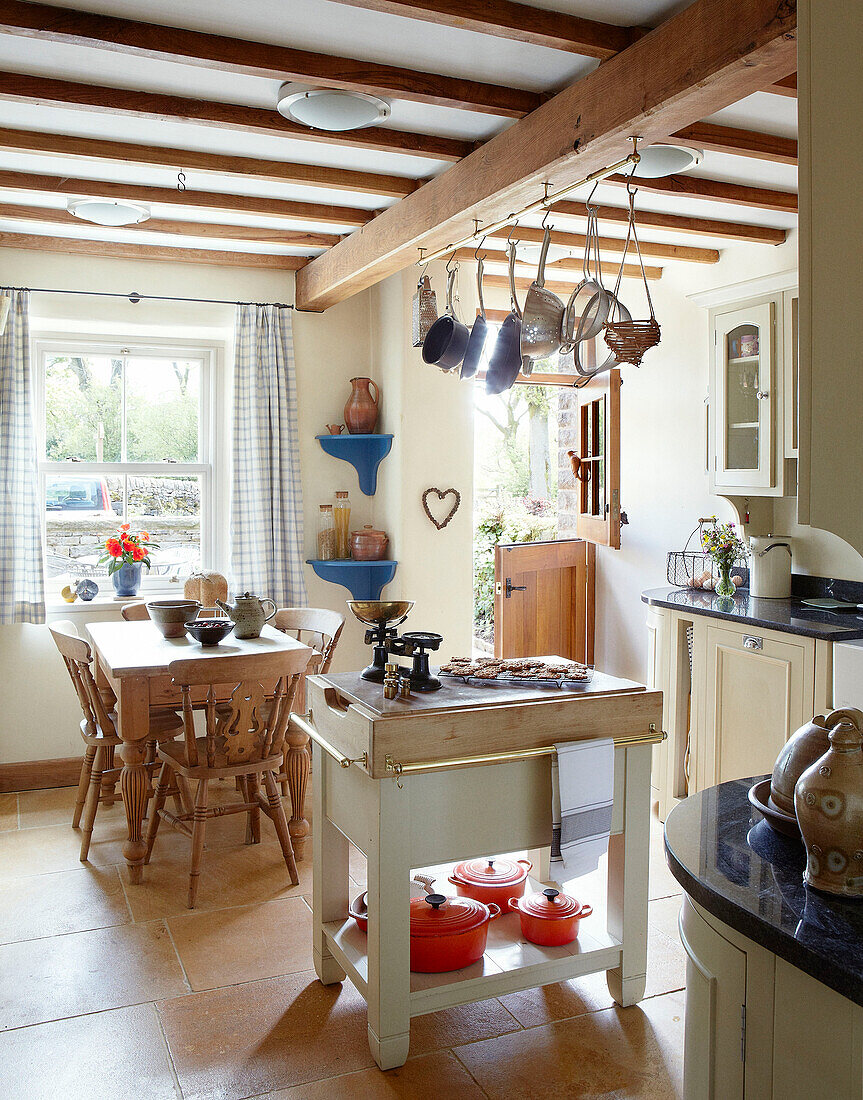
[109, 990]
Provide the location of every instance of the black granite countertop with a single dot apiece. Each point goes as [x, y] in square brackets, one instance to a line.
[729, 861]
[789, 616]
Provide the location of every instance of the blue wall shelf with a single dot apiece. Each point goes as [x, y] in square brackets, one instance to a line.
[363, 579]
[364, 452]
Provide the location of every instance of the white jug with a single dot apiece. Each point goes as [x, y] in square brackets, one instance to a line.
[770, 567]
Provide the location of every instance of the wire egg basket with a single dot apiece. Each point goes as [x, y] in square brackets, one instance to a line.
[684, 567]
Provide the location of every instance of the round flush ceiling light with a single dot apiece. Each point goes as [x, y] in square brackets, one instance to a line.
[112, 212]
[331, 108]
[667, 160]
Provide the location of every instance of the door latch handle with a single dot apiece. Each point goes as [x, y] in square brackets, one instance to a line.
[510, 588]
[751, 642]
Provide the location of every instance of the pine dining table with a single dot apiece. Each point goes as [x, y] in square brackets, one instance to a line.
[132, 660]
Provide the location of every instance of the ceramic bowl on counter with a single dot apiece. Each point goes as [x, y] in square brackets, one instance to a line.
[369, 544]
[448, 933]
[491, 880]
[170, 616]
[209, 631]
[549, 918]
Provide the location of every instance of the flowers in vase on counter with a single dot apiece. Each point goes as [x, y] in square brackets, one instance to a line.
[725, 546]
[127, 549]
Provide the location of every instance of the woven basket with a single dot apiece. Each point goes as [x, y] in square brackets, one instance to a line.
[629, 340]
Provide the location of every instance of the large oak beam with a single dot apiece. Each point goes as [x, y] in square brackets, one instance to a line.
[709, 55]
[18, 87]
[786, 87]
[79, 187]
[739, 143]
[80, 246]
[275, 171]
[735, 194]
[518, 22]
[678, 223]
[297, 238]
[265, 59]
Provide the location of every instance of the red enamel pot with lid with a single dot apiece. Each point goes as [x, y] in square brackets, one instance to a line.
[448, 933]
[550, 918]
[491, 880]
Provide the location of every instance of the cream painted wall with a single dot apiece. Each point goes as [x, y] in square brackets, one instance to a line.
[40, 720]
[664, 482]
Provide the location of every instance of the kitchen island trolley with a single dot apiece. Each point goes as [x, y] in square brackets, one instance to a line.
[462, 773]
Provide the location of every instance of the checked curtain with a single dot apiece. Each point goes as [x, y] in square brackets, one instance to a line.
[22, 587]
[266, 495]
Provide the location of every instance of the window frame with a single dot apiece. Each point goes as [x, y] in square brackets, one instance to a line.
[211, 417]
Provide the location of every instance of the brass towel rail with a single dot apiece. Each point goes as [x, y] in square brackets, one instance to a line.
[302, 722]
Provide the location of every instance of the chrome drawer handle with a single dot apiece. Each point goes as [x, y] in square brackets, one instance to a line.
[751, 642]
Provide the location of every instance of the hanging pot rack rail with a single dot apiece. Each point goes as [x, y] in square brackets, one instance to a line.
[134, 297]
[545, 203]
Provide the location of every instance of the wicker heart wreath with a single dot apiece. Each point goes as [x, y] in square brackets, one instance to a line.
[441, 495]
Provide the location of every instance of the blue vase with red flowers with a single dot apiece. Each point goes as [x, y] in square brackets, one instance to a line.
[127, 579]
[126, 555]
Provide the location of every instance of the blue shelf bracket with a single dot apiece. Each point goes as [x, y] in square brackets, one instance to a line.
[363, 579]
[364, 452]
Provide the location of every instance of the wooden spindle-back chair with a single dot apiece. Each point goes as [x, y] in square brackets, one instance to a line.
[98, 730]
[244, 738]
[134, 612]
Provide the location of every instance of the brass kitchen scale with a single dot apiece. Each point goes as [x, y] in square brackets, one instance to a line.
[382, 617]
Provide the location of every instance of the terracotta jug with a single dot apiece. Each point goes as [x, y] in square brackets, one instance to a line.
[829, 804]
[361, 410]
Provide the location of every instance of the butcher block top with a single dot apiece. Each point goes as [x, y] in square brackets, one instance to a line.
[469, 719]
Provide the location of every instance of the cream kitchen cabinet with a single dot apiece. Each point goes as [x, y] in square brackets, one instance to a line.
[732, 695]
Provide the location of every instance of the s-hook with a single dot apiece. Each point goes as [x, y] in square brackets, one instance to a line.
[181, 180]
[478, 247]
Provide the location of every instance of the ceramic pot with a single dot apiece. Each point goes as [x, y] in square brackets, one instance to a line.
[170, 616]
[491, 880]
[127, 579]
[369, 544]
[550, 918]
[361, 410]
[248, 614]
[800, 752]
[448, 933]
[829, 804]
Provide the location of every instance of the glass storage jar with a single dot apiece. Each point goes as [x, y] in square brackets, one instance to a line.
[326, 533]
[342, 517]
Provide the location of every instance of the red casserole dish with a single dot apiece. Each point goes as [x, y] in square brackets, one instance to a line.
[491, 881]
[550, 918]
[448, 933]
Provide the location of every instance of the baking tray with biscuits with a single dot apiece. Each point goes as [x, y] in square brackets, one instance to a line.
[520, 671]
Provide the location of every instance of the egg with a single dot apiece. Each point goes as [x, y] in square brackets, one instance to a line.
[737, 581]
[708, 585]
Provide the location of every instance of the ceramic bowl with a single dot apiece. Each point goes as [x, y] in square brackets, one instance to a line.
[169, 616]
[209, 631]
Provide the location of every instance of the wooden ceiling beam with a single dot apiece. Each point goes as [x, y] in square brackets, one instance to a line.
[563, 289]
[297, 238]
[77, 187]
[496, 242]
[739, 143]
[678, 223]
[786, 87]
[274, 171]
[264, 59]
[519, 22]
[80, 246]
[711, 54]
[736, 194]
[21, 88]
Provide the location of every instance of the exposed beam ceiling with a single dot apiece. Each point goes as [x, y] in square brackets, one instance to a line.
[696, 63]
[297, 238]
[679, 223]
[277, 171]
[759, 198]
[237, 55]
[80, 246]
[189, 199]
[739, 143]
[631, 271]
[224, 116]
[519, 22]
[786, 87]
[496, 242]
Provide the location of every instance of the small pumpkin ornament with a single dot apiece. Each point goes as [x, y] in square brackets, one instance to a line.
[206, 588]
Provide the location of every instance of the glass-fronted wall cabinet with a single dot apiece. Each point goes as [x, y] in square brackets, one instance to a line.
[752, 403]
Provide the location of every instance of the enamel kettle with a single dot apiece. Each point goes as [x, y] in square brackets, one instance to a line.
[770, 567]
[248, 614]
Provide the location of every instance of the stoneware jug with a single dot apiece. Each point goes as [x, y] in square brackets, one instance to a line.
[800, 751]
[248, 614]
[361, 410]
[829, 804]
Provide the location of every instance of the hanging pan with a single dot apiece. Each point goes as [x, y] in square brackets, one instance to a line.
[505, 360]
[589, 294]
[446, 341]
[479, 332]
[542, 315]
